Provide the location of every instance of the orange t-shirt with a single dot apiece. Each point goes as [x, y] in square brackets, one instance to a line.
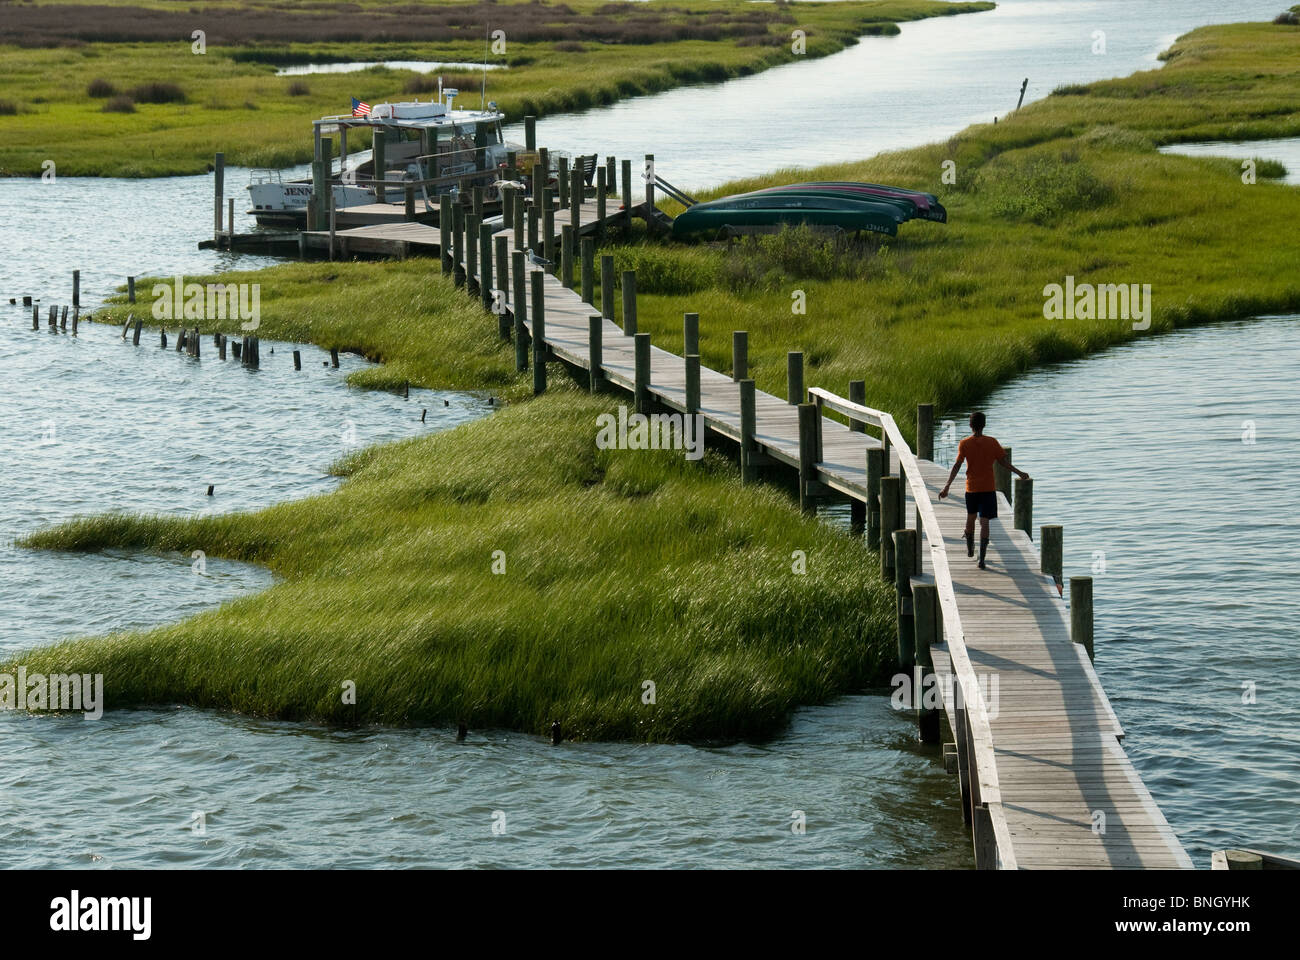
[981, 453]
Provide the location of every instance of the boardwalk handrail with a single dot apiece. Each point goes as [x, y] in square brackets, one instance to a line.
[967, 689]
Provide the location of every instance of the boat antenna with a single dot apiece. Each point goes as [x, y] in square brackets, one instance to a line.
[440, 88]
[487, 45]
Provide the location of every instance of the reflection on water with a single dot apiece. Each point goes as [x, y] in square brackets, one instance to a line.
[1287, 152]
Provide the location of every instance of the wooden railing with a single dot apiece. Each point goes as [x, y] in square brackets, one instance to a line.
[988, 819]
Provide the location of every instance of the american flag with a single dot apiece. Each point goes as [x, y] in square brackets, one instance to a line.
[360, 109]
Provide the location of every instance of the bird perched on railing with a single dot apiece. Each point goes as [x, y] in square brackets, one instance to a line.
[508, 185]
[536, 260]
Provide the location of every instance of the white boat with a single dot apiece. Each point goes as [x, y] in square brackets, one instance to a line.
[422, 141]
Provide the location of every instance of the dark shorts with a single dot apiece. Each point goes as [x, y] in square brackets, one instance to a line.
[985, 504]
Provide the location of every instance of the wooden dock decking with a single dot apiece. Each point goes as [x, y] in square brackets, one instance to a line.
[1045, 781]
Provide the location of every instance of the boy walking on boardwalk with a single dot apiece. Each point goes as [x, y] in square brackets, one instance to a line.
[979, 453]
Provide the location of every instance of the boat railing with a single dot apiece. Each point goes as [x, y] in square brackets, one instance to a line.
[970, 710]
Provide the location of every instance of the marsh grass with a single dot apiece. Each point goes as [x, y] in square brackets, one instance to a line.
[620, 567]
[623, 57]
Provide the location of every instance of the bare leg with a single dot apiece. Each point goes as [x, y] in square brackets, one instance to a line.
[984, 539]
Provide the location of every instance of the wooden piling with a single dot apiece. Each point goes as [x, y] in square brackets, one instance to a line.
[297, 359]
[230, 223]
[600, 202]
[63, 318]
[875, 471]
[904, 570]
[739, 354]
[218, 188]
[1051, 544]
[548, 231]
[530, 133]
[334, 357]
[925, 431]
[519, 278]
[130, 289]
[748, 424]
[458, 244]
[221, 347]
[649, 176]
[135, 337]
[1023, 511]
[808, 414]
[927, 626]
[692, 383]
[444, 231]
[626, 171]
[1002, 477]
[485, 265]
[890, 520]
[611, 174]
[471, 251]
[641, 355]
[563, 181]
[566, 256]
[162, 340]
[539, 331]
[410, 202]
[607, 286]
[76, 288]
[476, 201]
[595, 359]
[76, 318]
[502, 287]
[629, 303]
[690, 333]
[588, 270]
[794, 377]
[1081, 613]
[36, 317]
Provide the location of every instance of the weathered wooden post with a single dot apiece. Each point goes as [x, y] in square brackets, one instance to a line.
[808, 456]
[925, 431]
[748, 423]
[564, 181]
[476, 201]
[76, 318]
[875, 471]
[611, 173]
[1051, 543]
[904, 567]
[566, 256]
[739, 354]
[230, 224]
[629, 303]
[607, 286]
[794, 377]
[502, 287]
[690, 333]
[218, 189]
[130, 289]
[692, 384]
[236, 348]
[890, 520]
[588, 271]
[626, 171]
[927, 622]
[519, 276]
[1002, 477]
[334, 357]
[595, 358]
[857, 508]
[36, 317]
[1081, 613]
[135, 337]
[471, 251]
[537, 279]
[649, 175]
[986, 842]
[458, 244]
[507, 207]
[600, 202]
[1023, 511]
[548, 231]
[518, 222]
[333, 216]
[379, 165]
[534, 231]
[444, 232]
[576, 191]
[221, 349]
[76, 288]
[485, 287]
[641, 355]
[530, 133]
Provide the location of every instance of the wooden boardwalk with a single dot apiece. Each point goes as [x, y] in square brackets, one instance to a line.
[1045, 781]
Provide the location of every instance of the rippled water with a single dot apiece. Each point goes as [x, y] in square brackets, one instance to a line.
[1171, 462]
[927, 83]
